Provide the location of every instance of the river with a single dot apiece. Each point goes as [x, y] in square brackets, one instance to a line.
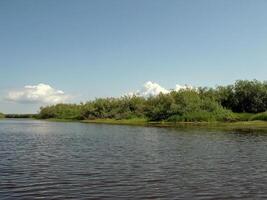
[52, 160]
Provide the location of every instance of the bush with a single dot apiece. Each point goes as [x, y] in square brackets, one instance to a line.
[20, 116]
[184, 105]
[60, 111]
[203, 116]
[202, 104]
[244, 96]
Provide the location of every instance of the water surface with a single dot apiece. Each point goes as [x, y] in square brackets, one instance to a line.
[49, 160]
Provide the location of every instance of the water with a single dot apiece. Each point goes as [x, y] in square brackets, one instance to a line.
[48, 160]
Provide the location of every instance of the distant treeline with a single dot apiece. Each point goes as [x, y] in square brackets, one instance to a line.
[20, 116]
[200, 104]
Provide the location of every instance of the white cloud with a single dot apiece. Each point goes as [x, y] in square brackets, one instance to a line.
[41, 93]
[152, 89]
[183, 87]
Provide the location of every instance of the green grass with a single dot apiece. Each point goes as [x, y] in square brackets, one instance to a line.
[242, 121]
[242, 116]
[259, 116]
[255, 125]
[134, 121]
[203, 116]
[240, 126]
[250, 116]
[60, 120]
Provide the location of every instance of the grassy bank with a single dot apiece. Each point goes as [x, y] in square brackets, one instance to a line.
[242, 125]
[60, 120]
[257, 124]
[140, 122]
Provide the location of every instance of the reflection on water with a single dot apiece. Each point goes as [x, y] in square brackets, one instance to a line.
[84, 161]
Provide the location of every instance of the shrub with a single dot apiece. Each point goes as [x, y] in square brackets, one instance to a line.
[203, 116]
[202, 104]
[60, 111]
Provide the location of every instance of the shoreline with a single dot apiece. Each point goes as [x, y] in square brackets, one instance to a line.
[238, 126]
[244, 126]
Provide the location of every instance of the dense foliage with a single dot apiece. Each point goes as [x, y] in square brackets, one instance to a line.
[201, 104]
[20, 116]
[244, 96]
[184, 105]
[61, 111]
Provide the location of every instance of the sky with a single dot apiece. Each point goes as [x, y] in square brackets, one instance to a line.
[76, 50]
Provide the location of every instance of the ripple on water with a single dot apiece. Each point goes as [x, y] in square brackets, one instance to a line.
[45, 160]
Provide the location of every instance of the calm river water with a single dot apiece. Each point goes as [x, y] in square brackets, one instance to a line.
[49, 160]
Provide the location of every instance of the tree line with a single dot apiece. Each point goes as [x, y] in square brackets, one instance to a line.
[20, 116]
[199, 104]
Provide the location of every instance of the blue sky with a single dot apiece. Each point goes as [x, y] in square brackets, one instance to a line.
[101, 48]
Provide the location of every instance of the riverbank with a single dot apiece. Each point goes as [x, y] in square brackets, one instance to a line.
[60, 120]
[241, 125]
[244, 126]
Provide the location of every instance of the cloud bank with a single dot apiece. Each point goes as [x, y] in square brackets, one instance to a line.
[152, 89]
[45, 94]
[41, 93]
